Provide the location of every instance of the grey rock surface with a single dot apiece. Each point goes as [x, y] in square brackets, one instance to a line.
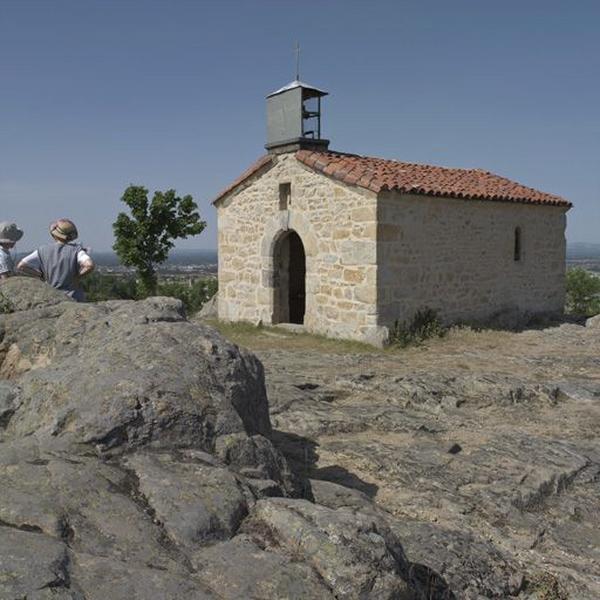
[103, 578]
[593, 322]
[356, 555]
[26, 293]
[210, 309]
[31, 562]
[140, 459]
[121, 375]
[136, 449]
[509, 515]
[197, 503]
[9, 402]
[241, 568]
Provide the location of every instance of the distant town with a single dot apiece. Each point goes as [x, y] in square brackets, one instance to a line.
[182, 265]
[586, 256]
[195, 264]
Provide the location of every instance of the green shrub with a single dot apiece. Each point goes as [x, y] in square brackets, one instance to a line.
[99, 287]
[424, 325]
[193, 296]
[583, 292]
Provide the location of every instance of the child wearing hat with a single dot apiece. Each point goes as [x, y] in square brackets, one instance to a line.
[10, 234]
[61, 263]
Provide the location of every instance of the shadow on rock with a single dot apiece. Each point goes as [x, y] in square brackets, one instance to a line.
[337, 474]
[302, 457]
[432, 585]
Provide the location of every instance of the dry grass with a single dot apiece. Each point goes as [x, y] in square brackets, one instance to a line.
[543, 354]
[270, 338]
[278, 338]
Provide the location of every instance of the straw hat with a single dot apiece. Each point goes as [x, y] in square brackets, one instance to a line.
[63, 229]
[9, 233]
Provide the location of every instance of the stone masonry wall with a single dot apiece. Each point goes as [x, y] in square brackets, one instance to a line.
[457, 256]
[337, 225]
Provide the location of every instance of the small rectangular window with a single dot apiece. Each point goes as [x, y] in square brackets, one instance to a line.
[285, 195]
[517, 255]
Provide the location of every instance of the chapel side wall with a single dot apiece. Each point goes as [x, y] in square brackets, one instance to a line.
[337, 225]
[457, 257]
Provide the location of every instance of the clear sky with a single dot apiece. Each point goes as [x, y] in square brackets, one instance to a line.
[98, 94]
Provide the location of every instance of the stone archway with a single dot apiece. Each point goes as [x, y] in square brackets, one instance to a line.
[289, 282]
[275, 230]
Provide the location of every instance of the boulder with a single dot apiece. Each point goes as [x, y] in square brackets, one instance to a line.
[593, 322]
[26, 293]
[356, 555]
[125, 374]
[102, 578]
[197, 502]
[242, 569]
[210, 309]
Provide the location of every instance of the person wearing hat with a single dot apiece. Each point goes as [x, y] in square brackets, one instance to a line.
[10, 234]
[61, 263]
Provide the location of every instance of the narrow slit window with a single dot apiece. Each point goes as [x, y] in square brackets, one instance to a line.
[517, 250]
[285, 195]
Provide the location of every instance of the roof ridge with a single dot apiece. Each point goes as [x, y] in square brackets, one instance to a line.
[377, 174]
[403, 162]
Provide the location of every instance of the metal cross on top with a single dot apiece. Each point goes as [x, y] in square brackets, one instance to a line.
[297, 51]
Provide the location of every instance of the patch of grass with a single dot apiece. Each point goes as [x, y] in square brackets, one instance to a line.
[423, 326]
[260, 337]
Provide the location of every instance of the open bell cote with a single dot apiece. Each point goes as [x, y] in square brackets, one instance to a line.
[294, 119]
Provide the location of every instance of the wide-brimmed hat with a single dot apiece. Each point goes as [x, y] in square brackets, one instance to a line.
[9, 233]
[64, 229]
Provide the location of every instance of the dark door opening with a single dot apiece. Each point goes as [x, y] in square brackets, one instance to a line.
[290, 286]
[297, 279]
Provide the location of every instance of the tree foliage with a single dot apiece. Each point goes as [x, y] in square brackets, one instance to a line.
[99, 287]
[144, 238]
[583, 292]
[193, 296]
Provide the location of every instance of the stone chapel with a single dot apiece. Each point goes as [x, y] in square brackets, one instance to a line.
[345, 244]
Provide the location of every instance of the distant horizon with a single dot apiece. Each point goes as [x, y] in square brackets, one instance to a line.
[215, 250]
[574, 250]
[110, 251]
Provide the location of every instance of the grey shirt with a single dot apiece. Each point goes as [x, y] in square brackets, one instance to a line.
[60, 268]
[6, 262]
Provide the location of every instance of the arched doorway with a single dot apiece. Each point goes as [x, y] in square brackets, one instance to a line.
[289, 261]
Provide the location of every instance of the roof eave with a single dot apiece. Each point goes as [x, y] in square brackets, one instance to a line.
[261, 164]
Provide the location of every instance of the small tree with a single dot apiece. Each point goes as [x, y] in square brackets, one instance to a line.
[583, 292]
[144, 239]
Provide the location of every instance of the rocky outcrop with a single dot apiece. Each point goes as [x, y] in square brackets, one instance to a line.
[210, 309]
[137, 461]
[140, 459]
[480, 451]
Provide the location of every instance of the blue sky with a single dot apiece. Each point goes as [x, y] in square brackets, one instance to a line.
[95, 95]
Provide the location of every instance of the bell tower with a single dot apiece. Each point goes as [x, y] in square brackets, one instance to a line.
[294, 119]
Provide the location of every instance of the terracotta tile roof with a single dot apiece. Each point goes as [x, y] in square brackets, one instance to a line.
[262, 162]
[378, 174]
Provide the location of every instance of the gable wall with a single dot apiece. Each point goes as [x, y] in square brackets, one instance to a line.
[337, 226]
[457, 256]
